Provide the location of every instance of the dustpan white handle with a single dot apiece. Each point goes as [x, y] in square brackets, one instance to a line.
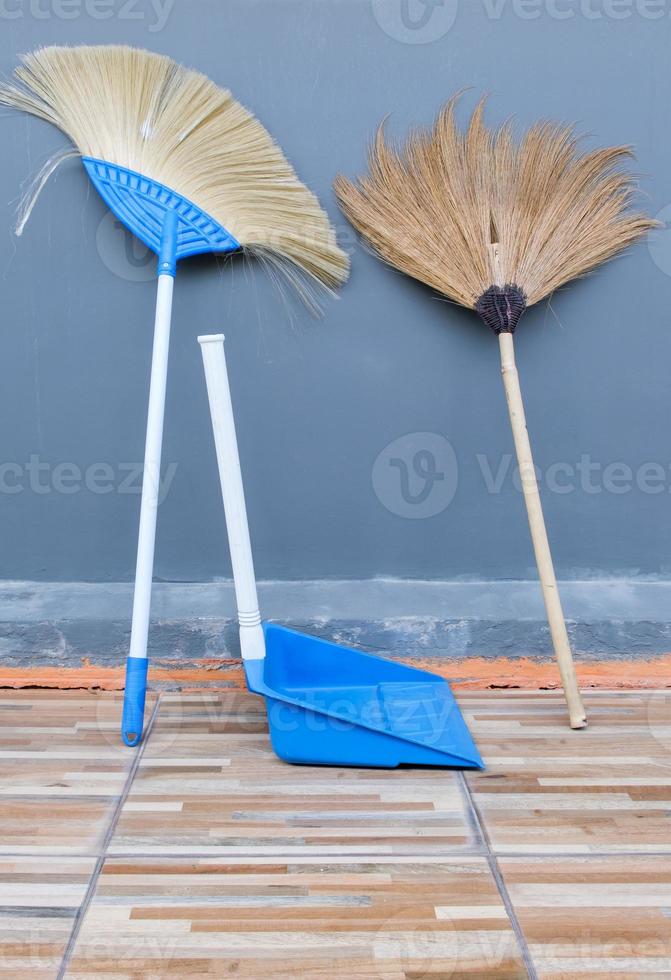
[252, 642]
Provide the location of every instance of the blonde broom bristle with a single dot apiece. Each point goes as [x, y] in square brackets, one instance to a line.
[143, 111]
[434, 208]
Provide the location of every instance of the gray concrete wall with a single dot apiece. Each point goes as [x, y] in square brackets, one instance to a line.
[390, 371]
[66, 624]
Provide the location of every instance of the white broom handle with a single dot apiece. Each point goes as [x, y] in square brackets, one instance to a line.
[152, 470]
[252, 643]
[539, 536]
[136, 662]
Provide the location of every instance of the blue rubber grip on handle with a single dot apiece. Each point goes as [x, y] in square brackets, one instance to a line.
[132, 721]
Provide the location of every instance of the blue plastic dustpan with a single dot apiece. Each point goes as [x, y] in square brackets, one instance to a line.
[327, 705]
[331, 705]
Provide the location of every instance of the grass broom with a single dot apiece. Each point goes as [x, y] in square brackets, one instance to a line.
[496, 226]
[188, 170]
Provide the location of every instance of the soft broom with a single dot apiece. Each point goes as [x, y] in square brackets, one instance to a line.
[497, 226]
[188, 170]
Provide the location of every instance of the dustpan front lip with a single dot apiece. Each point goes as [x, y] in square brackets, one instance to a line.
[256, 683]
[89, 165]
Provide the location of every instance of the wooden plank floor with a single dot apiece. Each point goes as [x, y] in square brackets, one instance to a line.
[39, 899]
[61, 769]
[606, 789]
[201, 854]
[209, 783]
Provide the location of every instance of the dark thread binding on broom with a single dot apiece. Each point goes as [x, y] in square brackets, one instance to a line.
[501, 307]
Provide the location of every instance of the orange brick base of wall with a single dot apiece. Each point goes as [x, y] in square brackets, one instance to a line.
[472, 673]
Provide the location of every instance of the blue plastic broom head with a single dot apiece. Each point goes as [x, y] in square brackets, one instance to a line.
[200, 155]
[168, 223]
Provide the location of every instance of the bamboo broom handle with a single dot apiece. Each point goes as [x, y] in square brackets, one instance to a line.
[553, 608]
